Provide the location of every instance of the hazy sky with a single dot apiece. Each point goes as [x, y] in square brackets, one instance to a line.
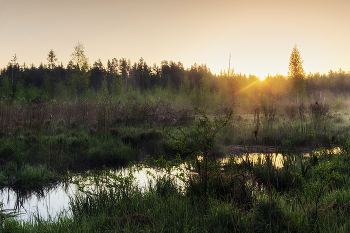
[259, 34]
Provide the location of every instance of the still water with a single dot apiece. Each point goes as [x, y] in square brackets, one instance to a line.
[47, 203]
[53, 201]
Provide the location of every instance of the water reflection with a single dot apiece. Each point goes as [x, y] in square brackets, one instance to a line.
[50, 202]
[277, 159]
[47, 203]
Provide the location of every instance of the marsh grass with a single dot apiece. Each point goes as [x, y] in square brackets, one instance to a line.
[313, 201]
[92, 133]
[321, 128]
[306, 194]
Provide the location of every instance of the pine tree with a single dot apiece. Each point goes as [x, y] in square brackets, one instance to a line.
[52, 60]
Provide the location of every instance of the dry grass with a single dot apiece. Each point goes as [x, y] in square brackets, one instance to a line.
[100, 113]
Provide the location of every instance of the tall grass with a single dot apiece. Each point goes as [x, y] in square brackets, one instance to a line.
[292, 198]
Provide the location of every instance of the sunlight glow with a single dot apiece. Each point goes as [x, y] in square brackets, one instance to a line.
[247, 87]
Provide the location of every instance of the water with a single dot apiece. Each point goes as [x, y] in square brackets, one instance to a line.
[277, 159]
[51, 202]
[47, 203]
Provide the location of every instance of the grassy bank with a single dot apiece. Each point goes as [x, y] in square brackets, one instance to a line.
[40, 143]
[306, 194]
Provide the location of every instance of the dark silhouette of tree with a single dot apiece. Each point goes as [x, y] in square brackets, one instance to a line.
[165, 73]
[197, 72]
[109, 67]
[14, 68]
[176, 74]
[155, 75]
[141, 75]
[124, 67]
[54, 80]
[112, 66]
[195, 75]
[98, 73]
[52, 60]
[70, 66]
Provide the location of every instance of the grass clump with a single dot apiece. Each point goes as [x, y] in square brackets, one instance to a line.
[306, 194]
[26, 176]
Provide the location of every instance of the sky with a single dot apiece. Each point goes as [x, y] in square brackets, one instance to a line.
[258, 34]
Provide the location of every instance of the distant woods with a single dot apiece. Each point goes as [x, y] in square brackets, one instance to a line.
[119, 77]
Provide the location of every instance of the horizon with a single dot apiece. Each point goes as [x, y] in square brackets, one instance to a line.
[259, 35]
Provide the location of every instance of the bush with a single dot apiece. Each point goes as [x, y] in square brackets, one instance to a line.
[319, 110]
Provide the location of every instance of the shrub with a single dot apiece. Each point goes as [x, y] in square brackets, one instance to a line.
[319, 110]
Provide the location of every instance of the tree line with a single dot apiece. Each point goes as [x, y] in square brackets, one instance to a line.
[78, 79]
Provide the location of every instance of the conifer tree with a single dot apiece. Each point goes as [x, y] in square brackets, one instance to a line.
[296, 74]
[52, 60]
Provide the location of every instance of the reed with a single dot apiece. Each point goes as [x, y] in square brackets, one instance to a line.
[123, 206]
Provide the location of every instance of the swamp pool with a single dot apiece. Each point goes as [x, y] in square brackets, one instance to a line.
[53, 201]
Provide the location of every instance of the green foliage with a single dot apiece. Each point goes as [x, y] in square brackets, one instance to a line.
[104, 181]
[62, 92]
[20, 94]
[32, 93]
[117, 86]
[46, 89]
[316, 200]
[89, 94]
[79, 59]
[79, 80]
[111, 153]
[103, 93]
[6, 89]
[234, 197]
[197, 148]
[185, 88]
[311, 191]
